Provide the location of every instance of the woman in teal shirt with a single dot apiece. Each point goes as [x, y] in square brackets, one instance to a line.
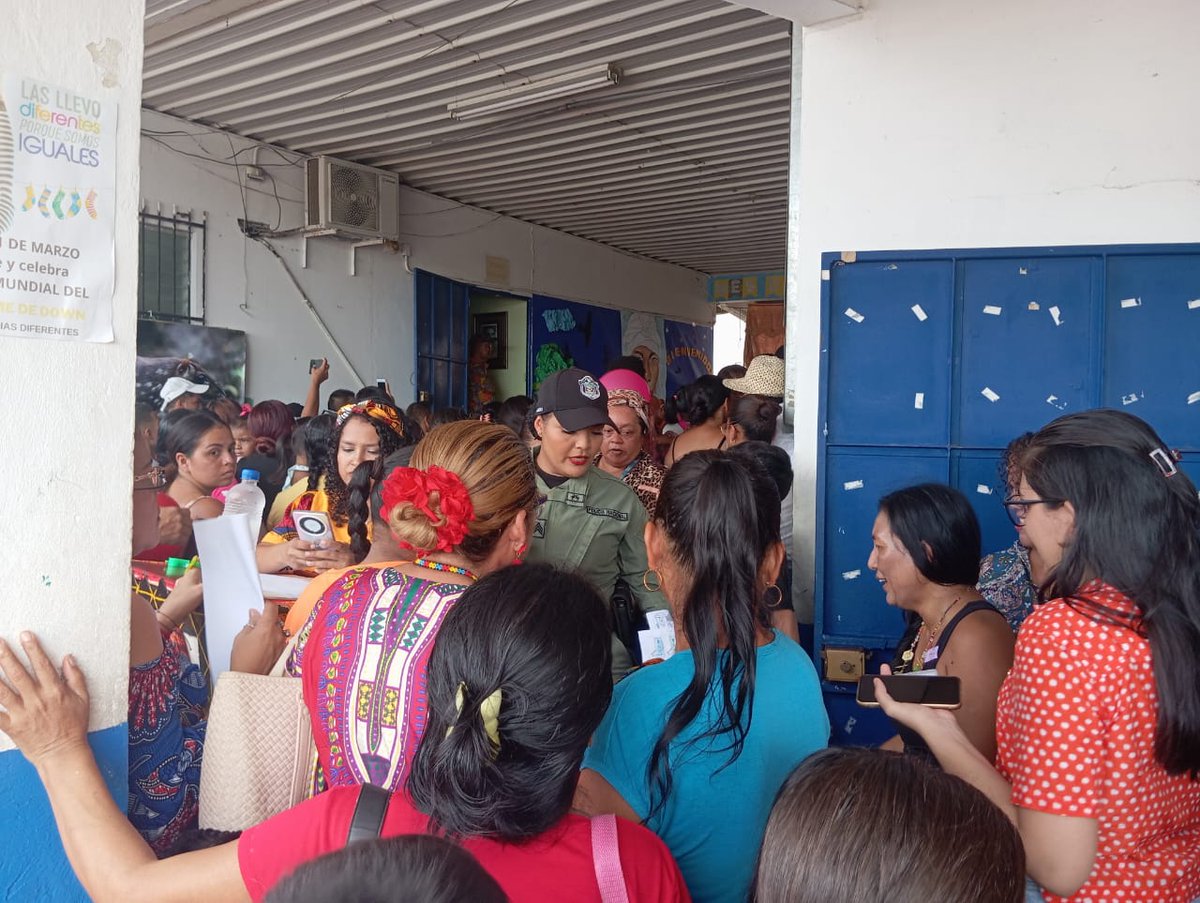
[697, 747]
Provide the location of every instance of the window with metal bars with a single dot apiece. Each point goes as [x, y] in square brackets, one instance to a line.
[171, 251]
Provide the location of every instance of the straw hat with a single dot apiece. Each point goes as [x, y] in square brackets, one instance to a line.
[764, 376]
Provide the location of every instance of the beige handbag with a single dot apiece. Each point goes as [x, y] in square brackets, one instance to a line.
[259, 752]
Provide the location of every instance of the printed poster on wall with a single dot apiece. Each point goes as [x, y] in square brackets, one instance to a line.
[57, 200]
[642, 334]
[566, 334]
[689, 353]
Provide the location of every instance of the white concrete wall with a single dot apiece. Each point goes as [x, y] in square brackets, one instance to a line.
[971, 123]
[371, 314]
[68, 447]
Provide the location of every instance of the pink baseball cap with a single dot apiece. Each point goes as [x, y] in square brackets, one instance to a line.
[625, 379]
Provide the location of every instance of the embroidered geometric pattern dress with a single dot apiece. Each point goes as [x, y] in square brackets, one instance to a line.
[363, 656]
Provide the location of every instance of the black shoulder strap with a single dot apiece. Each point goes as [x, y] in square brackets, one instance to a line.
[969, 609]
[368, 814]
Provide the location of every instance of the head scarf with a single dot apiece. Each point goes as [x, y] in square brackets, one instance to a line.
[375, 410]
[630, 398]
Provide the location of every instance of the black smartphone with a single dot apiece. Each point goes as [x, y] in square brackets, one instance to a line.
[924, 689]
[315, 363]
[383, 384]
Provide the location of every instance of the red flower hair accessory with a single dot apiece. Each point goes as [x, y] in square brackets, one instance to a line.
[424, 489]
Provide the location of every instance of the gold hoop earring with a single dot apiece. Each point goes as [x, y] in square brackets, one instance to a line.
[778, 603]
[646, 581]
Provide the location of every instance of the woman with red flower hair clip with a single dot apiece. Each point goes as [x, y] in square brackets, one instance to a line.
[462, 509]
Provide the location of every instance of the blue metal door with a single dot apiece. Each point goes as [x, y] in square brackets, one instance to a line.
[442, 334]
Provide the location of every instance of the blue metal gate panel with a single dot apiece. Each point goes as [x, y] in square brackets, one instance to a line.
[1152, 342]
[442, 318]
[889, 352]
[1044, 330]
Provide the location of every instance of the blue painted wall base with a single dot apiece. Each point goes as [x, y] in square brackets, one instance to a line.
[33, 865]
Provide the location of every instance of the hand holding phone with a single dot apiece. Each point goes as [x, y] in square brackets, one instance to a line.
[932, 690]
[314, 527]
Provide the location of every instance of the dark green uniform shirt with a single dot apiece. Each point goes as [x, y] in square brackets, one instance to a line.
[596, 525]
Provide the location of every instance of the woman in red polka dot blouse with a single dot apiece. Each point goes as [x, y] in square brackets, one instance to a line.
[1098, 723]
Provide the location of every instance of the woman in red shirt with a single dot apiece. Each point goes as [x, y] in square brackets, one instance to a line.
[1098, 723]
[518, 681]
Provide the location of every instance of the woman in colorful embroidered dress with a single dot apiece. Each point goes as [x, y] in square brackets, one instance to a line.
[1098, 723]
[464, 507]
[364, 431]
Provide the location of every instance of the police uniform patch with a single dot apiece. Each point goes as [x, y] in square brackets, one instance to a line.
[589, 388]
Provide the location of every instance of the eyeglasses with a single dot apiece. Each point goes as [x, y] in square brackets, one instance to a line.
[1018, 509]
[629, 432]
[154, 478]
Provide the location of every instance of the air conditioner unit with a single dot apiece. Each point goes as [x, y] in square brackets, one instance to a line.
[359, 201]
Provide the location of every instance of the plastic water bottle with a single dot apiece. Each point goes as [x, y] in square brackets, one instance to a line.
[246, 498]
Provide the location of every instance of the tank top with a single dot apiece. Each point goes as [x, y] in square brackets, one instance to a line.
[913, 744]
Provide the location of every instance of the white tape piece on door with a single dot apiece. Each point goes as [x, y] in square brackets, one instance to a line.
[1131, 302]
[851, 485]
[919, 401]
[1194, 397]
[851, 575]
[919, 313]
[1194, 304]
[989, 395]
[854, 315]
[993, 310]
[1056, 315]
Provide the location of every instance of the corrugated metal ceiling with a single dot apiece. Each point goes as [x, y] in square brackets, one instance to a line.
[684, 161]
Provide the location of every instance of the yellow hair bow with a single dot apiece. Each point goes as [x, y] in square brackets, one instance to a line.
[489, 710]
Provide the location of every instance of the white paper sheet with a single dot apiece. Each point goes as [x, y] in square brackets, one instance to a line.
[919, 313]
[989, 395]
[993, 311]
[283, 586]
[854, 315]
[231, 583]
[659, 640]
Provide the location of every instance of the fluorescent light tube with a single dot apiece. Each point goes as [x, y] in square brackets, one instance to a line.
[566, 84]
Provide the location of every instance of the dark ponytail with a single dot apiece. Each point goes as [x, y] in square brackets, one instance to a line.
[317, 433]
[757, 416]
[358, 506]
[541, 637]
[720, 516]
[702, 400]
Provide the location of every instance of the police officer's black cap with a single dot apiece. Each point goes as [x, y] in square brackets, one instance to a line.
[575, 397]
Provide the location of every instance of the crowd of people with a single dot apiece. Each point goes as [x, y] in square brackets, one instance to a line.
[468, 652]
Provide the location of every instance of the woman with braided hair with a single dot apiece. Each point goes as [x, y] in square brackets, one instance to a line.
[363, 432]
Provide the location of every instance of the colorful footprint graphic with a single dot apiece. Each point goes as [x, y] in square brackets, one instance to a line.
[6, 169]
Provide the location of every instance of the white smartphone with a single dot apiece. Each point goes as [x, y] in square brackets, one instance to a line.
[314, 527]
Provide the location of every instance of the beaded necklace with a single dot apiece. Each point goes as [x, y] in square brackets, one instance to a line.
[444, 568]
[911, 651]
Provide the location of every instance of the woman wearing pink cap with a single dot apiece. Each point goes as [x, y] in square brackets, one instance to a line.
[622, 450]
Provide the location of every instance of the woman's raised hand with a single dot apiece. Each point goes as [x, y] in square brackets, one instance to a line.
[45, 712]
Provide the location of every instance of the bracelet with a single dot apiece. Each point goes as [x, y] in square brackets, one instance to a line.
[163, 615]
